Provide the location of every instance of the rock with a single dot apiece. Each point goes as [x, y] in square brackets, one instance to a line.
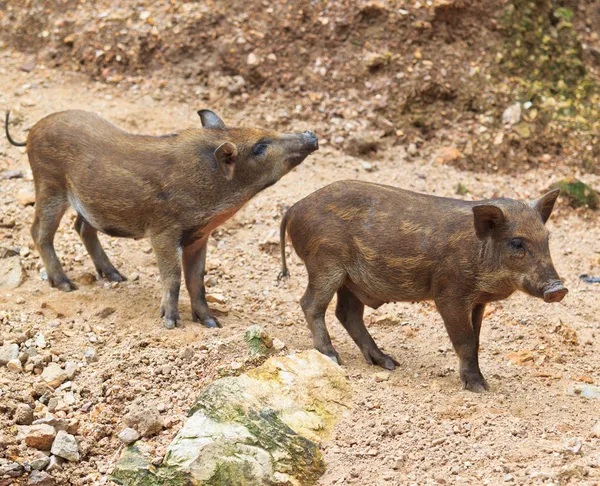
[40, 478]
[129, 436]
[39, 436]
[382, 376]
[278, 345]
[8, 352]
[54, 375]
[216, 298]
[11, 273]
[15, 366]
[12, 470]
[577, 193]
[461, 189]
[523, 129]
[26, 197]
[362, 143]
[512, 114]
[57, 423]
[252, 59]
[40, 463]
[27, 67]
[368, 166]
[376, 60]
[262, 427]
[596, 430]
[90, 354]
[70, 369]
[11, 174]
[259, 342]
[412, 149]
[145, 420]
[55, 463]
[6, 252]
[65, 446]
[23, 414]
[104, 313]
[447, 154]
[585, 391]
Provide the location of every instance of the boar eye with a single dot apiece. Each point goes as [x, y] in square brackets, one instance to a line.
[517, 244]
[259, 149]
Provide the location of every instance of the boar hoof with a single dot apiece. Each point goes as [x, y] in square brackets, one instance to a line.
[172, 323]
[210, 321]
[332, 354]
[64, 285]
[379, 358]
[474, 382]
[114, 276]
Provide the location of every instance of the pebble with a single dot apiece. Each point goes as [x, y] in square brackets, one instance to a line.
[104, 313]
[90, 354]
[146, 421]
[39, 436]
[12, 470]
[26, 197]
[54, 375]
[129, 436]
[187, 353]
[14, 365]
[596, 430]
[8, 352]
[40, 478]
[23, 414]
[65, 446]
[39, 463]
[55, 464]
[412, 149]
[70, 369]
[382, 376]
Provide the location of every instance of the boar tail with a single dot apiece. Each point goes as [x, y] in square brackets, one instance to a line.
[10, 139]
[282, 229]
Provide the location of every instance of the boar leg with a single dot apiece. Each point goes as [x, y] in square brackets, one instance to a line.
[349, 311]
[49, 209]
[194, 263]
[476, 318]
[89, 236]
[166, 249]
[464, 334]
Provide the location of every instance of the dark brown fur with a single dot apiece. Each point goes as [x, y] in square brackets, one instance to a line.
[174, 190]
[374, 244]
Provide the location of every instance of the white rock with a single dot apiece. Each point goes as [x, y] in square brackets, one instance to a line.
[54, 375]
[129, 436]
[65, 446]
[512, 114]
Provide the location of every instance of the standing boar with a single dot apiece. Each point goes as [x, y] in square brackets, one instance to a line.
[173, 189]
[374, 244]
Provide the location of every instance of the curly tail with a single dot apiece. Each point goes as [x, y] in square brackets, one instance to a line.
[282, 229]
[10, 139]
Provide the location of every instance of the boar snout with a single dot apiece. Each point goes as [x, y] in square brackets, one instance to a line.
[554, 292]
[311, 141]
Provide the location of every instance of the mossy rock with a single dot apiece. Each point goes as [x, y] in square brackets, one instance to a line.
[578, 193]
[260, 428]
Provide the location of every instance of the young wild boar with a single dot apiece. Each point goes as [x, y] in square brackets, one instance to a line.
[374, 244]
[173, 189]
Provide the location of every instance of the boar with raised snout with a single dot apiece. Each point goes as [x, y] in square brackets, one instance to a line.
[374, 244]
[174, 189]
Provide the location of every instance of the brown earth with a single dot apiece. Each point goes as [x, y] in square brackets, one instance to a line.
[418, 427]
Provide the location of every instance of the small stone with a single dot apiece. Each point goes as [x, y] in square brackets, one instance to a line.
[252, 59]
[54, 375]
[447, 154]
[362, 143]
[70, 369]
[166, 369]
[26, 197]
[216, 298]
[259, 342]
[40, 478]
[8, 352]
[596, 430]
[23, 414]
[145, 420]
[15, 366]
[39, 436]
[512, 114]
[11, 272]
[278, 345]
[12, 470]
[382, 376]
[523, 129]
[368, 166]
[412, 149]
[65, 446]
[55, 463]
[187, 353]
[508, 478]
[104, 313]
[129, 436]
[90, 354]
[40, 463]
[11, 174]
[375, 60]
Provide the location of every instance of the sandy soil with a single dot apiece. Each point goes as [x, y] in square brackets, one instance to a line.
[416, 428]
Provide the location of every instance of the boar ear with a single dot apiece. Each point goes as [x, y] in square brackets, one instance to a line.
[226, 153]
[211, 120]
[487, 219]
[545, 204]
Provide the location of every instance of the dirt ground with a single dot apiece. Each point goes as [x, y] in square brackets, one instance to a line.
[418, 427]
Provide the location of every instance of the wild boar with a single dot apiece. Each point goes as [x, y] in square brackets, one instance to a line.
[174, 189]
[374, 244]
